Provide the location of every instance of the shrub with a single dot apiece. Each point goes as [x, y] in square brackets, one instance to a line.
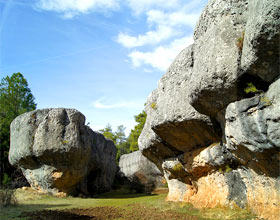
[7, 197]
[178, 168]
[154, 105]
[251, 88]
[6, 179]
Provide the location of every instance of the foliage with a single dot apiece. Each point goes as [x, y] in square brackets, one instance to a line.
[15, 99]
[225, 169]
[178, 167]
[108, 133]
[118, 137]
[123, 144]
[228, 169]
[136, 131]
[7, 197]
[240, 41]
[154, 105]
[6, 179]
[251, 88]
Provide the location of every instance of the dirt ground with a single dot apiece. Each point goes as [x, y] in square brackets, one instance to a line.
[131, 212]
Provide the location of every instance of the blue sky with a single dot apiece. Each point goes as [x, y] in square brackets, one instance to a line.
[102, 57]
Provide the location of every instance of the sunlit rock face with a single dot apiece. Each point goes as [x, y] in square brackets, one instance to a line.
[216, 143]
[59, 154]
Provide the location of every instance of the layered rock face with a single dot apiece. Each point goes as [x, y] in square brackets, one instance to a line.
[213, 122]
[140, 171]
[59, 154]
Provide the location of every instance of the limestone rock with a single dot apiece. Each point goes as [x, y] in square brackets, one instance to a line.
[252, 131]
[214, 82]
[139, 170]
[215, 113]
[57, 152]
[261, 47]
[150, 144]
[173, 119]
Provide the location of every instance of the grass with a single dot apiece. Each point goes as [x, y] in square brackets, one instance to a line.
[29, 200]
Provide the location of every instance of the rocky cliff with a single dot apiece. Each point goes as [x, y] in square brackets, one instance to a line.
[213, 122]
[59, 154]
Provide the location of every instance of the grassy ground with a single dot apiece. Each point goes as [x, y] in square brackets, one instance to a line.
[138, 205]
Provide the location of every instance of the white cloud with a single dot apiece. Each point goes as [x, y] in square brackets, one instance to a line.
[151, 37]
[71, 8]
[140, 6]
[162, 56]
[124, 104]
[167, 26]
[176, 18]
[168, 23]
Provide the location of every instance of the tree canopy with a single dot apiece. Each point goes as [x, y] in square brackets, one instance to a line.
[123, 144]
[15, 99]
[135, 133]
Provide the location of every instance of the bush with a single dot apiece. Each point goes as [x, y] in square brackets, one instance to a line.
[7, 197]
[17, 179]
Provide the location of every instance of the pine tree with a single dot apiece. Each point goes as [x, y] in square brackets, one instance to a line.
[15, 99]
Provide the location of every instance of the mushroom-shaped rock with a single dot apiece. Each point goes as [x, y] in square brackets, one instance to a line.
[57, 152]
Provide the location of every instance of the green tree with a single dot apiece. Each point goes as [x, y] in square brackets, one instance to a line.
[135, 133]
[118, 137]
[121, 142]
[15, 99]
[108, 133]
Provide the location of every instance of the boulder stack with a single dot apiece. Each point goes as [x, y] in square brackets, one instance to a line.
[213, 122]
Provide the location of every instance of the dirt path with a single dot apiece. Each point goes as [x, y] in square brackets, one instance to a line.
[131, 212]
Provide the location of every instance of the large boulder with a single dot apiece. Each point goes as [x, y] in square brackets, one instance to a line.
[140, 172]
[174, 120]
[216, 111]
[173, 126]
[150, 144]
[58, 153]
[214, 83]
[261, 47]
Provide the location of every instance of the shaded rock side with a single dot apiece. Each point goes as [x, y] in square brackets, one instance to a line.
[261, 47]
[58, 153]
[140, 171]
[150, 144]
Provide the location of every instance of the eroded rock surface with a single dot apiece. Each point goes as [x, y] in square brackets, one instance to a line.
[216, 111]
[140, 171]
[59, 154]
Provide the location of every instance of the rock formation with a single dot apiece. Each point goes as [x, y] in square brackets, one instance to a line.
[59, 154]
[140, 171]
[213, 122]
